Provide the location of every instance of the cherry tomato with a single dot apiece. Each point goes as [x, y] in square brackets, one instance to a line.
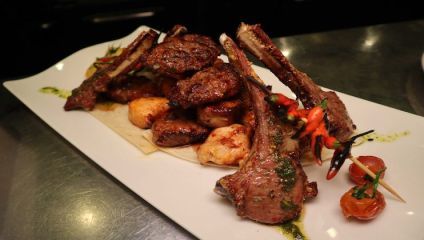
[362, 209]
[358, 176]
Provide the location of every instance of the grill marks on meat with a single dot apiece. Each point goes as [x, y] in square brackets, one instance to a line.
[132, 88]
[220, 114]
[270, 186]
[210, 85]
[86, 94]
[182, 54]
[175, 129]
[257, 42]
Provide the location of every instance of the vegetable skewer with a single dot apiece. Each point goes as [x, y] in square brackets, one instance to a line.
[381, 181]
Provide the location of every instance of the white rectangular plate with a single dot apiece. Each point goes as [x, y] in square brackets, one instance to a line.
[184, 191]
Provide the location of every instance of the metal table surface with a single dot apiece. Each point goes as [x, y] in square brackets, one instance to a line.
[50, 190]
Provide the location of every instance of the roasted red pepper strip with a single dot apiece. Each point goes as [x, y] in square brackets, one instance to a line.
[282, 100]
[105, 59]
[331, 142]
[315, 117]
[316, 147]
[317, 142]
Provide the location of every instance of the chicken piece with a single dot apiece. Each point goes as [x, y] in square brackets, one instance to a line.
[220, 114]
[225, 146]
[142, 112]
[183, 54]
[210, 85]
[172, 130]
[132, 88]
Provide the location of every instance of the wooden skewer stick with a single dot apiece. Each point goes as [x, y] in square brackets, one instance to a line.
[381, 181]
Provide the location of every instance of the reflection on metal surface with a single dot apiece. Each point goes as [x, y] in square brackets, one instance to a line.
[371, 39]
[415, 89]
[101, 19]
[285, 47]
[286, 52]
[87, 218]
[332, 232]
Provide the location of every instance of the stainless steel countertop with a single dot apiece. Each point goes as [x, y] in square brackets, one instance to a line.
[50, 190]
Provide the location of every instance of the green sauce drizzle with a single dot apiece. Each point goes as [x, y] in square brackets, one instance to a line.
[294, 230]
[382, 138]
[55, 91]
[286, 172]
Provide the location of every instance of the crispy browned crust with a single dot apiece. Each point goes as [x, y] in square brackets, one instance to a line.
[257, 42]
[210, 85]
[173, 131]
[183, 55]
[220, 114]
[270, 186]
[132, 88]
[130, 59]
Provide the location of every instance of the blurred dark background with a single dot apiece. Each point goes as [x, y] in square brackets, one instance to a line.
[37, 34]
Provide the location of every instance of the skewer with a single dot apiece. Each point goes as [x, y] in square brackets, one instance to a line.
[381, 181]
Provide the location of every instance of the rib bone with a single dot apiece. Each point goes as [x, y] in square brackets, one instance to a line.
[270, 186]
[130, 59]
[256, 41]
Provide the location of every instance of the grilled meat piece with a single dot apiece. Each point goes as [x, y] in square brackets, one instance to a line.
[257, 42]
[248, 120]
[210, 85]
[166, 85]
[220, 114]
[182, 54]
[86, 94]
[172, 130]
[132, 88]
[270, 185]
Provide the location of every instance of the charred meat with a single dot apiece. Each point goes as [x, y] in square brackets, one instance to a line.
[85, 96]
[219, 114]
[172, 130]
[182, 54]
[256, 41]
[210, 85]
[132, 88]
[270, 187]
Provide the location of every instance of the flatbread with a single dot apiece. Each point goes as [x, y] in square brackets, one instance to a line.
[115, 116]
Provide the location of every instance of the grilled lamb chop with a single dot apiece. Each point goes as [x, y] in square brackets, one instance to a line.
[132, 88]
[180, 54]
[210, 85]
[85, 95]
[174, 129]
[257, 42]
[271, 185]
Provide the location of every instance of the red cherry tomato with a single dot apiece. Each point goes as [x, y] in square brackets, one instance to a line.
[358, 176]
[362, 209]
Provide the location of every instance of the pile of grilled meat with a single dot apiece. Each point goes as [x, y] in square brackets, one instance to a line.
[205, 93]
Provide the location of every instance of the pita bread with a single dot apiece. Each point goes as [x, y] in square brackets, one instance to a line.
[115, 116]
